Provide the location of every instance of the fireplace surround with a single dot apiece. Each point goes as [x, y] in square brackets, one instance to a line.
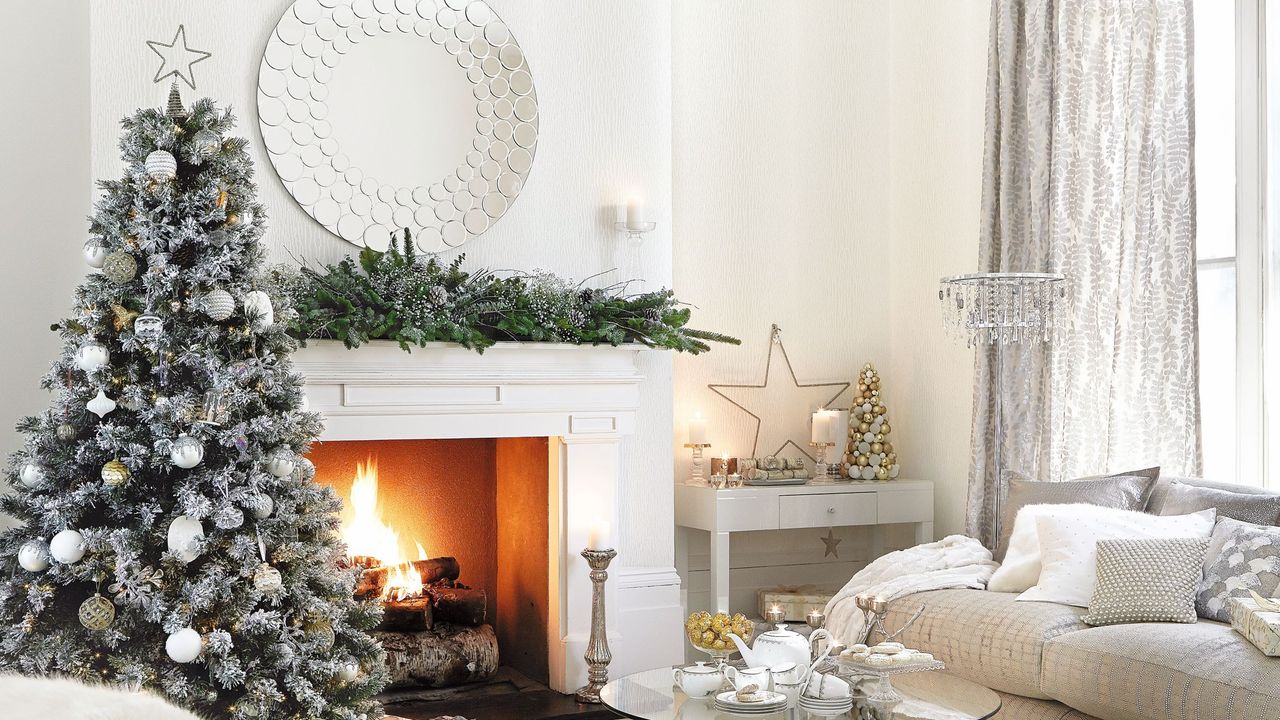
[584, 402]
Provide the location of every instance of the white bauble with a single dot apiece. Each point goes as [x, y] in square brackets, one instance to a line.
[101, 405]
[184, 646]
[95, 253]
[257, 305]
[92, 356]
[868, 473]
[67, 546]
[348, 672]
[261, 506]
[33, 556]
[281, 462]
[31, 475]
[186, 452]
[161, 165]
[218, 304]
[185, 533]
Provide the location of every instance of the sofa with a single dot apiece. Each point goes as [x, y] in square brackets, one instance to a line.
[1047, 664]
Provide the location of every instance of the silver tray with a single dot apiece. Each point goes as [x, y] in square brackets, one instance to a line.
[849, 667]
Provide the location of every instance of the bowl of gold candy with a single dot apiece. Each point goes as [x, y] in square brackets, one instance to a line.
[710, 633]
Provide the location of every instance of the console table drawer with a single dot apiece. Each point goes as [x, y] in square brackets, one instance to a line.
[810, 511]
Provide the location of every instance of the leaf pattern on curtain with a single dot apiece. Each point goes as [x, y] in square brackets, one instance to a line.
[1088, 171]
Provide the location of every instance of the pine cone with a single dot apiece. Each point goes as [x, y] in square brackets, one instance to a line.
[652, 314]
[185, 256]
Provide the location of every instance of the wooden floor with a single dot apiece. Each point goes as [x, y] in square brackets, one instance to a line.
[508, 696]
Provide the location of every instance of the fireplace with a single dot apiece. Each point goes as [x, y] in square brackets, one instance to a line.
[453, 538]
[503, 461]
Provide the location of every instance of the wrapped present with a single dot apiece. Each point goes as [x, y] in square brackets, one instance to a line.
[794, 600]
[1253, 618]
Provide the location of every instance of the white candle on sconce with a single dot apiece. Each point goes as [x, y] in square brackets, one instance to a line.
[635, 215]
[698, 430]
[598, 535]
[821, 427]
[839, 429]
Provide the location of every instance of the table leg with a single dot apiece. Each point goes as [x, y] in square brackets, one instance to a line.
[720, 570]
[682, 564]
[877, 542]
[924, 532]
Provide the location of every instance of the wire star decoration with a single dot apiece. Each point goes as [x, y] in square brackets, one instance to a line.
[788, 406]
[175, 60]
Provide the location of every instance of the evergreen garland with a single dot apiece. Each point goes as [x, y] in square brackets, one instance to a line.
[393, 295]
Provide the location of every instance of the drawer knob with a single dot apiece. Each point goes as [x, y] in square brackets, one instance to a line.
[831, 511]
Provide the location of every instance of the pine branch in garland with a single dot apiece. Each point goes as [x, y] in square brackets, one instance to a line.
[392, 295]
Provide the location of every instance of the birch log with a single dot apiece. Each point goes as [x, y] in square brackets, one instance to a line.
[445, 656]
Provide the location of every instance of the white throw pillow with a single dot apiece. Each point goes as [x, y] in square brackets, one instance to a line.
[1068, 547]
[1021, 567]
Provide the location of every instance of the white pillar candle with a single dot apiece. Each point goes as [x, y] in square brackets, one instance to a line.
[635, 214]
[839, 428]
[821, 427]
[598, 535]
[698, 430]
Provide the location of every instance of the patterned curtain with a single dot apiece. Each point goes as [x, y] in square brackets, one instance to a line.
[1088, 171]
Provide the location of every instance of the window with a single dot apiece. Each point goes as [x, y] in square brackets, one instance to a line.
[1237, 108]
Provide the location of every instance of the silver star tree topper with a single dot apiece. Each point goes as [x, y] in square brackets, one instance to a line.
[176, 58]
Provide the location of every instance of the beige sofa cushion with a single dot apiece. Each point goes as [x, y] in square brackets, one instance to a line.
[985, 636]
[1016, 707]
[1161, 671]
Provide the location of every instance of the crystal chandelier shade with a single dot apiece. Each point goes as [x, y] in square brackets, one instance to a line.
[1004, 308]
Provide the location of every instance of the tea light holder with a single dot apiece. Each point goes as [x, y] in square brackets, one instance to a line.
[820, 457]
[696, 476]
[775, 616]
[597, 655]
[815, 619]
[734, 480]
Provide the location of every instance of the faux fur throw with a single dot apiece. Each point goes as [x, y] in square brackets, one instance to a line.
[38, 698]
[955, 561]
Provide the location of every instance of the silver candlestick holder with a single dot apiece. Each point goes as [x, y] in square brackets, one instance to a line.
[597, 656]
[696, 476]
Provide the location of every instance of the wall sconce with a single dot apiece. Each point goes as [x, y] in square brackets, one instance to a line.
[635, 226]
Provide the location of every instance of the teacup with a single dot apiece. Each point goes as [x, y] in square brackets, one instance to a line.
[787, 673]
[758, 676]
[826, 687]
[699, 681]
[790, 689]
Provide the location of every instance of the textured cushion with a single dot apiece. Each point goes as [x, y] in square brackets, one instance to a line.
[1016, 707]
[1181, 499]
[1161, 671]
[1242, 557]
[1160, 490]
[1068, 547]
[1021, 567]
[983, 636]
[1126, 491]
[1147, 581]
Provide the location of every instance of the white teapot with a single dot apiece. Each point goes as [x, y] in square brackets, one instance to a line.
[777, 647]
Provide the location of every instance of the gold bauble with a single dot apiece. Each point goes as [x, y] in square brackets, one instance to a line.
[888, 447]
[864, 427]
[877, 447]
[97, 613]
[115, 474]
[884, 429]
[882, 473]
[233, 219]
[321, 629]
[893, 458]
[875, 385]
[878, 437]
[867, 417]
[862, 461]
[861, 387]
[880, 410]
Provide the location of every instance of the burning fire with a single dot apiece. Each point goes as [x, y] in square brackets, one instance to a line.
[368, 536]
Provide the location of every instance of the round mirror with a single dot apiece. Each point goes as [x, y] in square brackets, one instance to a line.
[384, 114]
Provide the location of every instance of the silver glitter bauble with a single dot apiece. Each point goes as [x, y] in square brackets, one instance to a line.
[218, 238]
[206, 142]
[97, 613]
[261, 506]
[119, 267]
[218, 304]
[95, 253]
[281, 461]
[161, 166]
[186, 452]
[67, 432]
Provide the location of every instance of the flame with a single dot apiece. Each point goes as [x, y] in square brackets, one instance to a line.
[368, 535]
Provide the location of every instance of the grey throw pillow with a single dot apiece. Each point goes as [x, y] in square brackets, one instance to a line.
[1147, 580]
[1124, 491]
[1242, 557]
[1182, 499]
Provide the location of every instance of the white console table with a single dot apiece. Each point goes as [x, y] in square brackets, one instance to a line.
[820, 505]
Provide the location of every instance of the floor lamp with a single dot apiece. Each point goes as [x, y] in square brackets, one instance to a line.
[999, 309]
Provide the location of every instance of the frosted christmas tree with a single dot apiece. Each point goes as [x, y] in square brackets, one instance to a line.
[869, 454]
[173, 537]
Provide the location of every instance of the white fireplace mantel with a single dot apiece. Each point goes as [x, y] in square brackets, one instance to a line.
[583, 398]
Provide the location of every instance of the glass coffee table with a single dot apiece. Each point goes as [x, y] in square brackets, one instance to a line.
[652, 695]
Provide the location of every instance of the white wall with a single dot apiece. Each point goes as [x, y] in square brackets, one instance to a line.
[827, 159]
[44, 193]
[605, 134]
